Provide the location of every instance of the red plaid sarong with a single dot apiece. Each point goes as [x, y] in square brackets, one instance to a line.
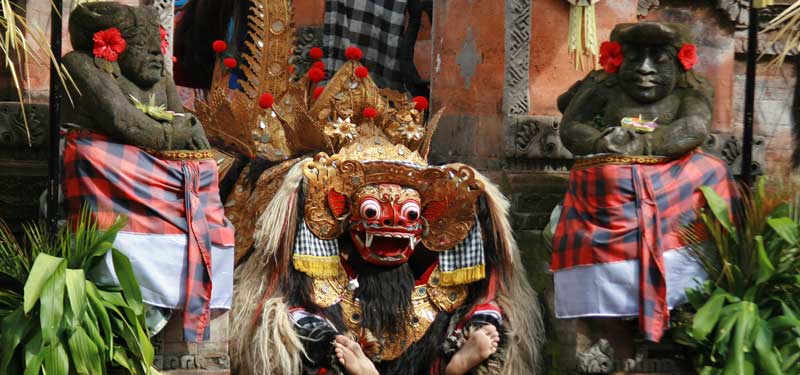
[615, 213]
[158, 197]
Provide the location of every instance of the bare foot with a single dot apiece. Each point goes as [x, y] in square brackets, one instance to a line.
[352, 358]
[481, 344]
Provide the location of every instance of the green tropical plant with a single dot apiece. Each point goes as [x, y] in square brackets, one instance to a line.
[746, 315]
[53, 320]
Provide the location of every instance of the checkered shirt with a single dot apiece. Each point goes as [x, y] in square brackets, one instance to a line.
[306, 243]
[373, 26]
[468, 253]
[628, 212]
[157, 197]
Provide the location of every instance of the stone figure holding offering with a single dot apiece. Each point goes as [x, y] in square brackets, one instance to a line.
[132, 152]
[125, 92]
[635, 127]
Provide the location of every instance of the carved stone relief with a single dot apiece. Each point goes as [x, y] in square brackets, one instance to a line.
[13, 134]
[735, 10]
[516, 97]
[305, 39]
[534, 137]
[729, 148]
[599, 359]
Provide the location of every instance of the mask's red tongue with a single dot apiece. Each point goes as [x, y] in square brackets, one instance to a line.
[388, 246]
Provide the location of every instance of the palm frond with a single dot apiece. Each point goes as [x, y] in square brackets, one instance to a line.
[785, 28]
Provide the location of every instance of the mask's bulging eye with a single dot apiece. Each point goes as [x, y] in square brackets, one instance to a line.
[410, 211]
[370, 209]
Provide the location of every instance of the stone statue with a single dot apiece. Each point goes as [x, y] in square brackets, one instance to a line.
[647, 77]
[136, 154]
[112, 84]
[635, 128]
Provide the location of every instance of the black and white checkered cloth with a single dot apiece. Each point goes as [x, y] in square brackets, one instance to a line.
[306, 243]
[468, 253]
[376, 27]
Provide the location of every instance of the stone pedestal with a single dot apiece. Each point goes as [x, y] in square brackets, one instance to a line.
[176, 357]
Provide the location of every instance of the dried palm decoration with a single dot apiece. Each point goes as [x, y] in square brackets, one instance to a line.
[785, 29]
[16, 48]
[582, 39]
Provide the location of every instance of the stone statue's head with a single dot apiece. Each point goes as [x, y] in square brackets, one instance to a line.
[142, 61]
[650, 67]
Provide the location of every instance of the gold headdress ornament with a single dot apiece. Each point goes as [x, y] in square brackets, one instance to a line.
[363, 134]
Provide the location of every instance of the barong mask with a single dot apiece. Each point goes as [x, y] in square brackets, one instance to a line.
[385, 222]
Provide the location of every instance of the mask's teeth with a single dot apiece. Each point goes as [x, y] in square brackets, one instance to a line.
[412, 241]
[369, 239]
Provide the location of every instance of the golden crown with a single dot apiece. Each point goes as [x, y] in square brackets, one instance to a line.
[279, 115]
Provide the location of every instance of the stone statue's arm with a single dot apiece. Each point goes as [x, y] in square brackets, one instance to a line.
[198, 134]
[687, 132]
[113, 112]
[576, 132]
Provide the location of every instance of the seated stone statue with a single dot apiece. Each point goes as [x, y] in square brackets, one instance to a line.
[635, 129]
[132, 152]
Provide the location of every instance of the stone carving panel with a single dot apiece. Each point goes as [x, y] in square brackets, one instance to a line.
[599, 359]
[534, 137]
[729, 148]
[516, 97]
[305, 39]
[166, 15]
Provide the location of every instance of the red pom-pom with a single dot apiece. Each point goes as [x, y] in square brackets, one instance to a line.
[315, 53]
[318, 91]
[688, 56]
[361, 72]
[421, 103]
[219, 46]
[370, 112]
[266, 100]
[319, 65]
[316, 74]
[230, 62]
[353, 53]
[291, 69]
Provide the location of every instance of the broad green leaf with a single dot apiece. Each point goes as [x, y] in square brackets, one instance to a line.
[34, 367]
[765, 267]
[14, 327]
[767, 360]
[55, 359]
[112, 299]
[84, 353]
[52, 305]
[740, 360]
[121, 358]
[785, 227]
[33, 348]
[76, 291]
[127, 280]
[707, 316]
[719, 207]
[102, 316]
[43, 267]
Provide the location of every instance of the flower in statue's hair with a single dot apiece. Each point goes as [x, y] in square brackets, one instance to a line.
[164, 41]
[266, 100]
[315, 53]
[318, 91]
[420, 103]
[688, 56]
[611, 56]
[108, 44]
[319, 65]
[353, 53]
[219, 46]
[230, 62]
[370, 112]
[316, 74]
[361, 72]
[174, 59]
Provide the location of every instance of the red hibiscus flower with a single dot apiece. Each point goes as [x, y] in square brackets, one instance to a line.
[108, 44]
[688, 56]
[611, 56]
[164, 41]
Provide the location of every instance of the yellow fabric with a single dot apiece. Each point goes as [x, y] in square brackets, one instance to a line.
[463, 275]
[316, 266]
